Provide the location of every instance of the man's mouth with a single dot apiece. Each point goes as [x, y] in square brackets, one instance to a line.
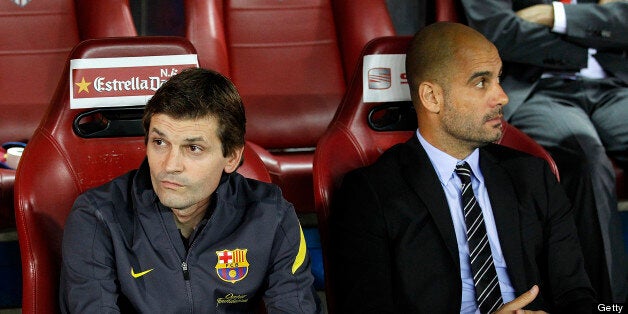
[495, 118]
[171, 185]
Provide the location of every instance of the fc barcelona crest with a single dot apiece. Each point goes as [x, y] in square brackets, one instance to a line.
[232, 265]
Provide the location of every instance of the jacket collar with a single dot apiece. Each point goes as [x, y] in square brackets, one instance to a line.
[419, 173]
[417, 170]
[229, 209]
[505, 205]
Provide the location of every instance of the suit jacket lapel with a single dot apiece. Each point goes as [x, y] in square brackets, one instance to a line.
[421, 176]
[505, 211]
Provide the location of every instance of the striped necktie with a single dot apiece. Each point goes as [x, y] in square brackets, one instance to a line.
[487, 292]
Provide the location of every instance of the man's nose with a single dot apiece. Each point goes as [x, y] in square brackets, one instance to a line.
[501, 98]
[174, 162]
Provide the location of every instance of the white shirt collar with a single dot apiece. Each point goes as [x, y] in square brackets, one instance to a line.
[445, 164]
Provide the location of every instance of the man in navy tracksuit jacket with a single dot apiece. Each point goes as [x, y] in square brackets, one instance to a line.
[185, 233]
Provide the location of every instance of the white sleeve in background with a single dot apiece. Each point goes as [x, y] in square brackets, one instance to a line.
[593, 70]
[560, 19]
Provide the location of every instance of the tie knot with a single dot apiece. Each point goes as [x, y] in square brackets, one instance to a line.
[463, 171]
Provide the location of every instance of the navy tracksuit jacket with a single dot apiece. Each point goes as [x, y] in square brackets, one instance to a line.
[123, 252]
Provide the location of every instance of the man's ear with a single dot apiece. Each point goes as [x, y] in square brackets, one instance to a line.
[431, 97]
[233, 162]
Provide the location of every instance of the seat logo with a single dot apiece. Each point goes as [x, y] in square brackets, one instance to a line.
[379, 78]
[140, 274]
[83, 85]
[21, 3]
[232, 265]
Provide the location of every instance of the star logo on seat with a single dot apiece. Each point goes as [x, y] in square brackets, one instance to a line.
[83, 85]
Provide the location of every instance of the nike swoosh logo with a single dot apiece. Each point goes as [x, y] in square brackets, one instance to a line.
[138, 275]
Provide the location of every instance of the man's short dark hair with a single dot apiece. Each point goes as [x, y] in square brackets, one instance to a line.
[196, 93]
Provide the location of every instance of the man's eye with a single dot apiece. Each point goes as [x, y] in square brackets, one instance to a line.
[195, 149]
[158, 142]
[480, 84]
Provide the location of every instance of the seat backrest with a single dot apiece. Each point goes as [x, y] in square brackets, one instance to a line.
[73, 150]
[35, 39]
[362, 130]
[285, 60]
[99, 19]
[290, 61]
[449, 11]
[288, 58]
[350, 142]
[253, 166]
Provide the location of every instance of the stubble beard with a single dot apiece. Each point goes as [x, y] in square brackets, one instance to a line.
[464, 129]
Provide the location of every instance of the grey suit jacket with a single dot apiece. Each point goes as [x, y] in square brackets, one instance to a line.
[529, 49]
[393, 242]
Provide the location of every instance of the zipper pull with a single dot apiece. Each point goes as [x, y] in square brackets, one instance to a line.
[186, 273]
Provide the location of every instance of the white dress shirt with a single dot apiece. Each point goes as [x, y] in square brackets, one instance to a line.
[444, 165]
[593, 70]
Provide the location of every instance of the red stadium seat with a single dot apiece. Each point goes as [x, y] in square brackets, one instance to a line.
[58, 165]
[35, 40]
[351, 140]
[290, 61]
[449, 11]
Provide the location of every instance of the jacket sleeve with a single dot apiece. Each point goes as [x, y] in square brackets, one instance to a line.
[598, 26]
[290, 280]
[571, 290]
[88, 272]
[588, 26]
[360, 251]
